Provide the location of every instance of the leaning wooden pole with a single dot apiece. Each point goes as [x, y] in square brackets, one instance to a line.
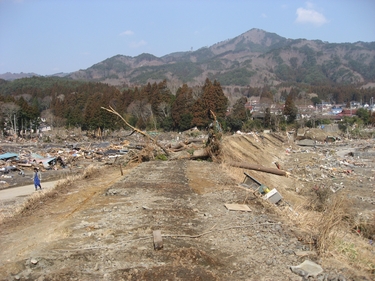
[259, 168]
[111, 110]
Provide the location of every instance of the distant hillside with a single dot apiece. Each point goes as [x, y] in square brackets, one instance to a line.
[254, 58]
[13, 76]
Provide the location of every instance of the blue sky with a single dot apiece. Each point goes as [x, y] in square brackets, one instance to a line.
[51, 36]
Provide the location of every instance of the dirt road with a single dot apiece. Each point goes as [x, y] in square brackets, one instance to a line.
[22, 191]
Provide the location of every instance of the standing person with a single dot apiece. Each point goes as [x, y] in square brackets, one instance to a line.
[37, 178]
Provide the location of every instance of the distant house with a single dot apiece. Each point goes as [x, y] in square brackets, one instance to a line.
[347, 112]
[45, 128]
[336, 110]
[253, 100]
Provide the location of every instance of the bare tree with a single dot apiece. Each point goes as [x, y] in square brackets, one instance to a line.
[173, 85]
[164, 109]
[141, 109]
[10, 112]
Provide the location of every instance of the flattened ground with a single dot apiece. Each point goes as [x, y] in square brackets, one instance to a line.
[102, 230]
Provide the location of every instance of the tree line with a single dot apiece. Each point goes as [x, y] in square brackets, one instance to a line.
[152, 106]
[78, 104]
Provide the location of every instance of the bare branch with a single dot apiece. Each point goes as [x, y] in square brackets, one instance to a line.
[111, 110]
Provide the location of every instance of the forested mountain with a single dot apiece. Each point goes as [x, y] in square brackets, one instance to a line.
[254, 58]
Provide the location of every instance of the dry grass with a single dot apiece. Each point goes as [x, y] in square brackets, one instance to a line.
[356, 252]
[331, 232]
[335, 216]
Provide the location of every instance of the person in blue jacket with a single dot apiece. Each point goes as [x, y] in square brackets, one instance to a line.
[37, 177]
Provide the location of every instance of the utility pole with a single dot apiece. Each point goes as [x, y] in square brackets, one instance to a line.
[15, 125]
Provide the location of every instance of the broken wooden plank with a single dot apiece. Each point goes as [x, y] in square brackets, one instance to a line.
[158, 240]
[238, 207]
[24, 164]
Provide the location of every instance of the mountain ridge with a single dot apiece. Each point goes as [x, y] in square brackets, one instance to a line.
[254, 58]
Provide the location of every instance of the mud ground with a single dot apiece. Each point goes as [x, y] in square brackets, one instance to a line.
[101, 228]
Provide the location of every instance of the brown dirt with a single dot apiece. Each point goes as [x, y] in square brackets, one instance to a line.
[100, 228]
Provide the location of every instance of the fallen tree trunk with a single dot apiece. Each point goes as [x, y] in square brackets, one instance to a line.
[196, 140]
[178, 146]
[200, 154]
[259, 168]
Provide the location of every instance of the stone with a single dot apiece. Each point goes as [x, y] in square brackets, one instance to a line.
[311, 268]
[34, 261]
[287, 251]
[298, 271]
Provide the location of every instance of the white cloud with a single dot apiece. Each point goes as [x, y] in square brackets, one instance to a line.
[126, 33]
[137, 44]
[263, 15]
[309, 15]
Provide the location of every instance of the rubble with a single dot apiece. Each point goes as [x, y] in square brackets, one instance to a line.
[51, 159]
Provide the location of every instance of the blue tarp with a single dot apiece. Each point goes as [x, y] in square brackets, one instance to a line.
[8, 155]
[45, 161]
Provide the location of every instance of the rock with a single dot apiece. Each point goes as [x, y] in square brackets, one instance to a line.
[311, 268]
[287, 251]
[34, 261]
[298, 271]
[277, 227]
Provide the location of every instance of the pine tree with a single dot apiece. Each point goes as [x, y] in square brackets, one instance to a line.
[213, 99]
[290, 110]
[182, 108]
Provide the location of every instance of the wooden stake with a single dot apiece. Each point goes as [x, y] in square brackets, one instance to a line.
[158, 240]
[122, 173]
